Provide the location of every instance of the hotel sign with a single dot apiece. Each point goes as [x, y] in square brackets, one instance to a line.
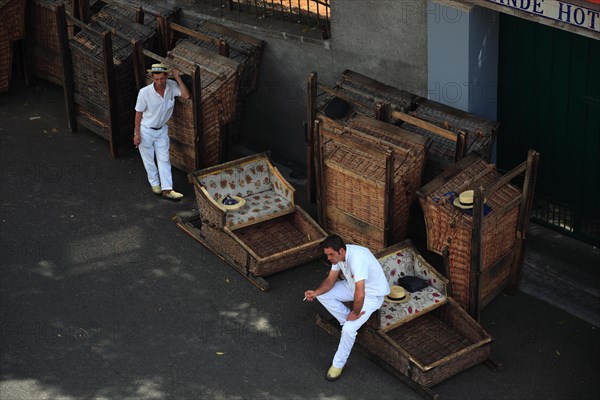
[560, 11]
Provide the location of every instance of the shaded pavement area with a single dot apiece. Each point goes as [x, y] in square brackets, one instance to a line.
[102, 297]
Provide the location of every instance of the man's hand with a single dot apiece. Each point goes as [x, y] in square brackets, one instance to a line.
[354, 316]
[175, 73]
[137, 139]
[310, 295]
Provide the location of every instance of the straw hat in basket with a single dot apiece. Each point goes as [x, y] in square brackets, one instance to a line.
[230, 203]
[465, 200]
[397, 295]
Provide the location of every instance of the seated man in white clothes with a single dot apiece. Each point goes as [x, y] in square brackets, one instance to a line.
[365, 285]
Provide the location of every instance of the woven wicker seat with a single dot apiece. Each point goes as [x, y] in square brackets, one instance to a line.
[400, 261]
[270, 232]
[266, 193]
[427, 339]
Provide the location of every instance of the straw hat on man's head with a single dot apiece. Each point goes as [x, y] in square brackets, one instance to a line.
[159, 69]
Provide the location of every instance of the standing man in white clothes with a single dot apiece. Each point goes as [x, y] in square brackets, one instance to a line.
[365, 285]
[153, 109]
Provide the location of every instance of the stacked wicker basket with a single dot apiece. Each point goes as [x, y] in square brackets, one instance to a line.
[12, 13]
[480, 133]
[92, 92]
[44, 54]
[219, 84]
[485, 243]
[241, 48]
[367, 176]
[152, 10]
[453, 132]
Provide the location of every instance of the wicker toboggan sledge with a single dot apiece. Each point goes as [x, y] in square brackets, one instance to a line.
[483, 246]
[425, 340]
[267, 234]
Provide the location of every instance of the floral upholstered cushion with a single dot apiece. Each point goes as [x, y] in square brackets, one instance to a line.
[241, 180]
[257, 207]
[266, 193]
[393, 314]
[408, 262]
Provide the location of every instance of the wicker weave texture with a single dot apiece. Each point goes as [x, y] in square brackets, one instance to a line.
[182, 156]
[246, 53]
[218, 97]
[436, 345]
[287, 236]
[452, 227]
[12, 14]
[364, 93]
[276, 243]
[88, 69]
[5, 62]
[410, 155]
[126, 10]
[441, 152]
[354, 184]
[280, 243]
[45, 57]
[481, 131]
[13, 19]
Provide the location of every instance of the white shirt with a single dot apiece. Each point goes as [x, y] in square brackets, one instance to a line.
[156, 109]
[360, 265]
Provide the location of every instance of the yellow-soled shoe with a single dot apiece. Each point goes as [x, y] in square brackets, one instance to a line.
[172, 195]
[333, 373]
[156, 190]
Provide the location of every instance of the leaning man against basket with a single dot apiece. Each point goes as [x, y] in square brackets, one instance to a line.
[365, 285]
[153, 109]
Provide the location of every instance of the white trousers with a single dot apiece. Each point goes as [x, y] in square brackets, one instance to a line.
[156, 142]
[333, 302]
